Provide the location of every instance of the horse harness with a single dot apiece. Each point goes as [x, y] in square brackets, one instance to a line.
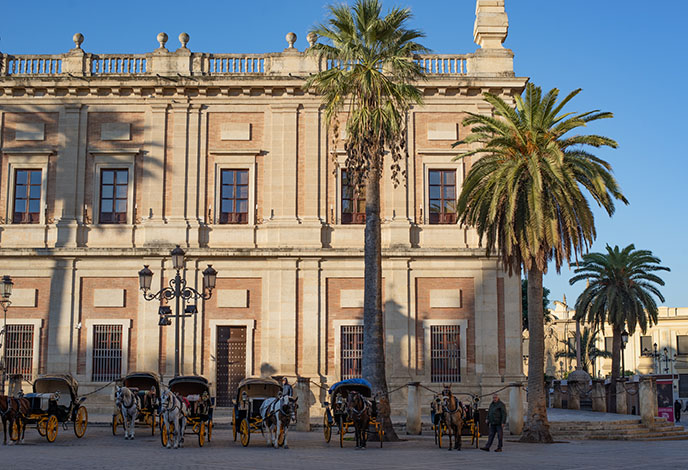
[365, 402]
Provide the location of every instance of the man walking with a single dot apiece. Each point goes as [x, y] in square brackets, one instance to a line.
[496, 418]
[677, 411]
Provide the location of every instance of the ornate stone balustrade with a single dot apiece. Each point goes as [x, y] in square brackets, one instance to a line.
[183, 62]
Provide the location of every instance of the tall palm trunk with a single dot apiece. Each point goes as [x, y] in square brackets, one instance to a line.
[373, 320]
[616, 366]
[536, 428]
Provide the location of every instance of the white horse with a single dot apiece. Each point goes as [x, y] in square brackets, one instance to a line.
[128, 403]
[174, 411]
[277, 413]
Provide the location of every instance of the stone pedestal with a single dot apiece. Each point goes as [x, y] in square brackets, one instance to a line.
[574, 390]
[648, 400]
[303, 392]
[413, 422]
[556, 400]
[599, 398]
[515, 409]
[621, 403]
[15, 385]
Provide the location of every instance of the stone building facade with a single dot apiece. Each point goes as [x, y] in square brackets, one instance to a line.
[108, 161]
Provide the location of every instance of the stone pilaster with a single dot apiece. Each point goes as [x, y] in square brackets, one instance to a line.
[69, 130]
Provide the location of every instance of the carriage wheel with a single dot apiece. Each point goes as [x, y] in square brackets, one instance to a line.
[80, 422]
[245, 431]
[327, 428]
[235, 426]
[342, 431]
[380, 433]
[440, 428]
[115, 419]
[51, 429]
[475, 435]
[41, 426]
[210, 429]
[14, 431]
[280, 438]
[165, 433]
[201, 434]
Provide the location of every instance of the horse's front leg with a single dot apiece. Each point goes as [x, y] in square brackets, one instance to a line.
[4, 431]
[286, 433]
[450, 429]
[278, 427]
[132, 430]
[457, 439]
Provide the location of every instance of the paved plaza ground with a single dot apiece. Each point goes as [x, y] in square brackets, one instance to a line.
[99, 449]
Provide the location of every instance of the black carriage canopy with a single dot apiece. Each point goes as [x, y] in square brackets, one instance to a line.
[63, 383]
[144, 381]
[361, 386]
[186, 385]
[258, 387]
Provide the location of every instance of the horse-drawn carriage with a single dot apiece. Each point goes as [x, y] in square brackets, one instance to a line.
[470, 422]
[251, 394]
[337, 409]
[194, 391]
[55, 400]
[146, 385]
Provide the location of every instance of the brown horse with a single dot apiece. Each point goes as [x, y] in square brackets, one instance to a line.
[7, 414]
[359, 413]
[453, 417]
[20, 408]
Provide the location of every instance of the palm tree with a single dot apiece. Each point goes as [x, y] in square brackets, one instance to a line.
[589, 351]
[371, 78]
[621, 290]
[525, 198]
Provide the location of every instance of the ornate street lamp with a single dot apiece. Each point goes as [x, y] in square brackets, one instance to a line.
[5, 293]
[177, 290]
[624, 341]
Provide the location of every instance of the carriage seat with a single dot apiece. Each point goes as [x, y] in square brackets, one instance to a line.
[194, 397]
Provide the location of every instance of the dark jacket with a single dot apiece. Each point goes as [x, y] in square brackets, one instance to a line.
[497, 413]
[287, 390]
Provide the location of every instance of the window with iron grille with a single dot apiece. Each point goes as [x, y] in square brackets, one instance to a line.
[27, 197]
[107, 352]
[234, 197]
[113, 196]
[20, 350]
[646, 344]
[682, 344]
[353, 201]
[683, 385]
[351, 351]
[442, 197]
[445, 353]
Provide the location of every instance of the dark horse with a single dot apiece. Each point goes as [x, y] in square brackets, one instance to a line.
[13, 412]
[7, 414]
[453, 417]
[359, 413]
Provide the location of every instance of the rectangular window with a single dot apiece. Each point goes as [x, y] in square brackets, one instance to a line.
[445, 353]
[27, 197]
[645, 344]
[351, 351]
[107, 352]
[683, 385]
[20, 350]
[353, 201]
[608, 343]
[682, 345]
[442, 197]
[114, 189]
[234, 197]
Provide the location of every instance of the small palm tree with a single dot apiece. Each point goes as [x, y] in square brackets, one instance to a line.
[371, 76]
[525, 198]
[621, 291]
[589, 351]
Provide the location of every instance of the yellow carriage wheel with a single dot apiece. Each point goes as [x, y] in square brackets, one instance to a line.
[195, 428]
[343, 427]
[280, 438]
[380, 433]
[440, 429]
[201, 434]
[14, 431]
[245, 431]
[51, 429]
[210, 429]
[475, 434]
[41, 426]
[165, 433]
[80, 422]
[115, 422]
[235, 426]
[327, 428]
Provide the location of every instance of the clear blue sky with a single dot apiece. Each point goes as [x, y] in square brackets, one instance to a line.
[628, 56]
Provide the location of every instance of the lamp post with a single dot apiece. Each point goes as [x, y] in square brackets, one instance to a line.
[5, 293]
[666, 361]
[624, 341]
[177, 290]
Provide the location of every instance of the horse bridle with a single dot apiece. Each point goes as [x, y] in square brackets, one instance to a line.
[172, 396]
[365, 404]
[446, 409]
[120, 393]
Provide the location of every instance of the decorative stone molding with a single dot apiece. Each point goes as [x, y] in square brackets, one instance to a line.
[29, 131]
[445, 298]
[24, 298]
[232, 298]
[112, 298]
[351, 298]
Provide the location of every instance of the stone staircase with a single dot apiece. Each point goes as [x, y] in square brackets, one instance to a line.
[626, 430]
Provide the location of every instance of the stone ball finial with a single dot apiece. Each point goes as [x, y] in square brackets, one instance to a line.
[78, 38]
[291, 39]
[162, 39]
[184, 39]
[311, 38]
